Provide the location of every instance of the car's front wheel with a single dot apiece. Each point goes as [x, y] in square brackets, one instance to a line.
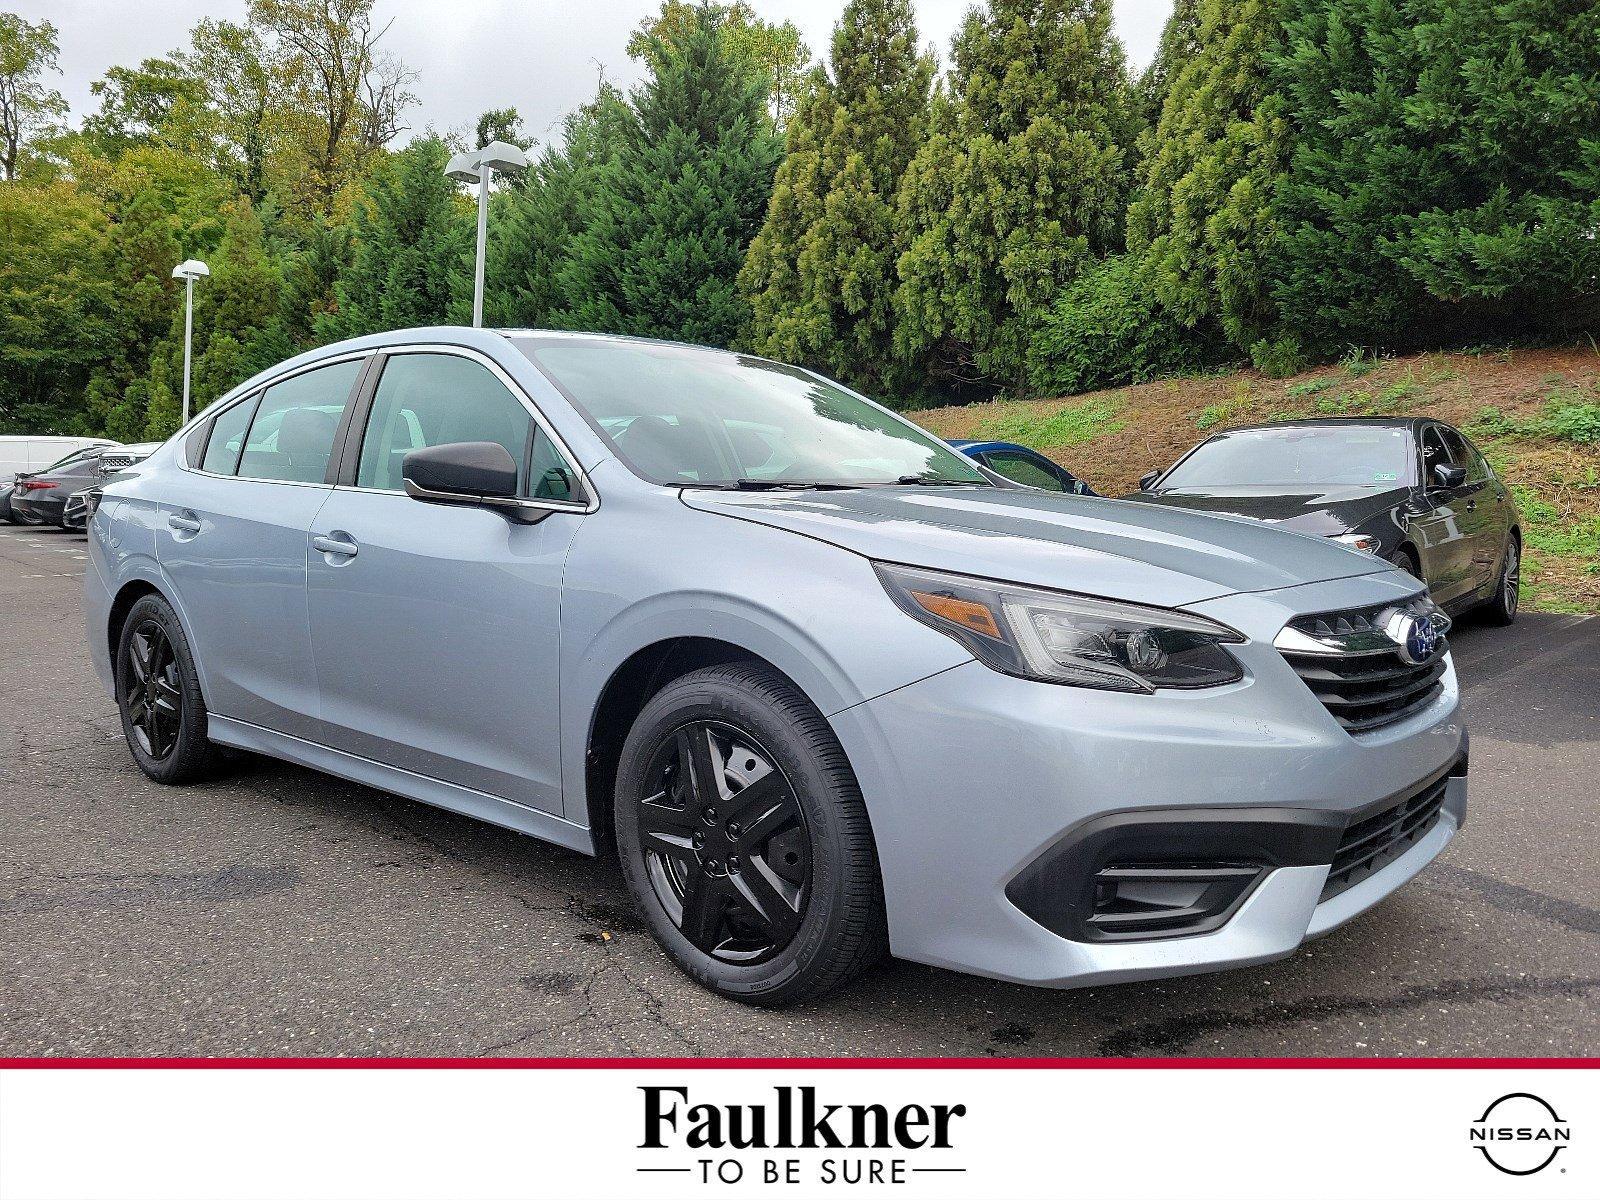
[1501, 608]
[744, 839]
[158, 693]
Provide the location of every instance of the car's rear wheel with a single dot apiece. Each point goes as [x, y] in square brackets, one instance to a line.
[744, 839]
[1501, 608]
[158, 694]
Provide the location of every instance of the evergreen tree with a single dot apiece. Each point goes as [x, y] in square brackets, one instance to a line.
[1180, 42]
[821, 275]
[678, 206]
[409, 231]
[1020, 186]
[1211, 166]
[1443, 178]
[534, 225]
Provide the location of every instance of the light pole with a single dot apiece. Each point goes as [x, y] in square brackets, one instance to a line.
[189, 270]
[474, 166]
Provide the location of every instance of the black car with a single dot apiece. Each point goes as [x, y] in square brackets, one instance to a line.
[1414, 491]
[40, 498]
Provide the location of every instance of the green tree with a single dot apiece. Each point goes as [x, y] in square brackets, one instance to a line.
[821, 274]
[1020, 186]
[1211, 167]
[535, 224]
[410, 232]
[775, 52]
[1180, 42]
[56, 306]
[28, 54]
[1443, 177]
[678, 206]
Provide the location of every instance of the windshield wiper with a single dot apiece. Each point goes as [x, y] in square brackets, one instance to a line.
[936, 481]
[783, 485]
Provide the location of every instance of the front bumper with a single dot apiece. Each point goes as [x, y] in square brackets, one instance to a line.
[972, 777]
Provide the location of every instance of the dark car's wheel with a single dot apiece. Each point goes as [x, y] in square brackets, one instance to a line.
[1501, 608]
[744, 839]
[1407, 562]
[158, 692]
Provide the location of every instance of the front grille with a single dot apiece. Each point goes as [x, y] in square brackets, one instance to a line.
[1356, 669]
[1373, 842]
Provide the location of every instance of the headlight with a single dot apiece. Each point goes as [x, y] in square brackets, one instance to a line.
[1356, 541]
[1061, 638]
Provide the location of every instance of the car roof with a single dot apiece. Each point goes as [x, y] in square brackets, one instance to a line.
[970, 447]
[1333, 422]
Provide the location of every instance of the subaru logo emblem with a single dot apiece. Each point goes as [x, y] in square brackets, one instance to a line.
[1418, 638]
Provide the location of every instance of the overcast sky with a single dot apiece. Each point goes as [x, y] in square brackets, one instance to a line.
[543, 56]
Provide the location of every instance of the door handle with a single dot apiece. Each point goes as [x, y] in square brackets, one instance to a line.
[182, 523]
[333, 543]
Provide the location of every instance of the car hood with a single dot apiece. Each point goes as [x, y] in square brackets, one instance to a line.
[1307, 510]
[1111, 548]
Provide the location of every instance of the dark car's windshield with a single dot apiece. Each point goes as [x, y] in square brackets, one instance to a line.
[1298, 456]
[689, 417]
[75, 457]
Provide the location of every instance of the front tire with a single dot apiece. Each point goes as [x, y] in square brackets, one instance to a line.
[158, 695]
[744, 839]
[1501, 608]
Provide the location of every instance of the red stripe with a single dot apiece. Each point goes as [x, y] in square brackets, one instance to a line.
[808, 1064]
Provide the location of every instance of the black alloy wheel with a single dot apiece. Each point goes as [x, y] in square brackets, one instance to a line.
[725, 844]
[152, 691]
[158, 694]
[744, 839]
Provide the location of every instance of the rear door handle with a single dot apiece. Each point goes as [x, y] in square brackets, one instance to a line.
[333, 543]
[182, 523]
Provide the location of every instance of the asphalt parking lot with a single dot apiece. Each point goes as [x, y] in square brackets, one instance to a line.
[276, 911]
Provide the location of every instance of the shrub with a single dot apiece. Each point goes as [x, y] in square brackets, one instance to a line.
[1107, 329]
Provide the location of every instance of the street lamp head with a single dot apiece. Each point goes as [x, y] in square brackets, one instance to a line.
[463, 167]
[191, 268]
[497, 156]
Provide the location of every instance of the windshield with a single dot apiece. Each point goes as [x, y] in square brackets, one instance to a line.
[76, 456]
[689, 417]
[1297, 456]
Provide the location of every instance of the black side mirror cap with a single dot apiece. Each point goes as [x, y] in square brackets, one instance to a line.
[1146, 482]
[1447, 476]
[481, 473]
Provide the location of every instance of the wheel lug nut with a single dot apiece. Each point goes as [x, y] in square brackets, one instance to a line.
[733, 862]
[733, 829]
[698, 840]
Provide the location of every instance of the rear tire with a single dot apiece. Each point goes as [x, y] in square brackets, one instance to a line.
[158, 694]
[780, 910]
[1501, 608]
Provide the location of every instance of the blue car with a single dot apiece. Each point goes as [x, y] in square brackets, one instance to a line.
[1022, 465]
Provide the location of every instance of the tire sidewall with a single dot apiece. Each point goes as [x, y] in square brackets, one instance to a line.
[692, 699]
[192, 745]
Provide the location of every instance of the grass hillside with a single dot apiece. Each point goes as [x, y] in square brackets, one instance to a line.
[1535, 413]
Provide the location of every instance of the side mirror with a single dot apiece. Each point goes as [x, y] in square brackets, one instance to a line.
[462, 473]
[1447, 476]
[1146, 482]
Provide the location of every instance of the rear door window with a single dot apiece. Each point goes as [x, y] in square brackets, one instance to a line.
[296, 421]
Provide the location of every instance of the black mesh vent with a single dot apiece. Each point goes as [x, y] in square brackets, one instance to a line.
[1373, 842]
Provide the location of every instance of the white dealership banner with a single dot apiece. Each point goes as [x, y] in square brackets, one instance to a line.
[620, 1129]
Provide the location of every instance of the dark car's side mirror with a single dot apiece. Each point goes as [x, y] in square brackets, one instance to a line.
[466, 473]
[1447, 476]
[1146, 482]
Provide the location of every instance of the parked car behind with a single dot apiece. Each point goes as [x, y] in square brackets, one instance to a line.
[1411, 490]
[824, 686]
[113, 464]
[27, 454]
[40, 497]
[1020, 464]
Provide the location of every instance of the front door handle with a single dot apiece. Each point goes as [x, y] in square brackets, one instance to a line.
[335, 543]
[182, 523]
